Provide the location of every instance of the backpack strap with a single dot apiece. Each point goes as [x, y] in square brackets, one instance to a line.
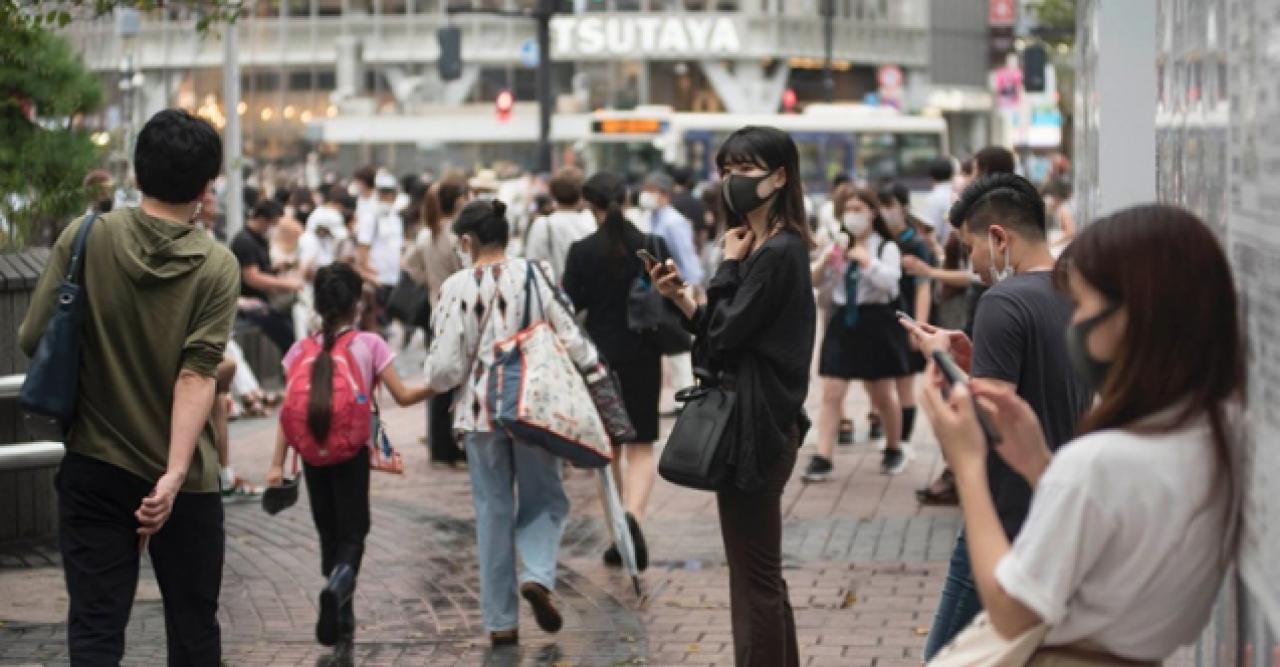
[343, 346]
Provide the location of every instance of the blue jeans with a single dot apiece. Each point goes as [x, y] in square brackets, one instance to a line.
[959, 604]
[530, 518]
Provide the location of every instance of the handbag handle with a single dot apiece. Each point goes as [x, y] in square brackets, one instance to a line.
[75, 266]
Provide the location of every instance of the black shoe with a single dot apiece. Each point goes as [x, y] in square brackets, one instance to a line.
[500, 638]
[336, 595]
[544, 610]
[638, 543]
[877, 429]
[819, 470]
[845, 437]
[611, 556]
[342, 656]
[893, 461]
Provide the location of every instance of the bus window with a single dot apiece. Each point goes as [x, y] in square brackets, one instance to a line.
[837, 157]
[917, 152]
[633, 161]
[877, 157]
[810, 158]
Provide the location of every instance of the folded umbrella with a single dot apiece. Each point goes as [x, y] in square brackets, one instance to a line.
[616, 519]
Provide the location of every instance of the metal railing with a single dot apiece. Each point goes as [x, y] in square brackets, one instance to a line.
[26, 455]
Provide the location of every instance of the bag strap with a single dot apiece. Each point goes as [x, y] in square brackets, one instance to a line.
[75, 266]
[568, 309]
[531, 291]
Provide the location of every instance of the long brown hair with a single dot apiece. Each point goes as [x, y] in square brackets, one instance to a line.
[1183, 342]
[441, 202]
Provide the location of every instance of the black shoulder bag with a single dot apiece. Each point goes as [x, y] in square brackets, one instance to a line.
[697, 452]
[651, 315]
[51, 388]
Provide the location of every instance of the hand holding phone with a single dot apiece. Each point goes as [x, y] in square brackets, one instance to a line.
[952, 375]
[647, 257]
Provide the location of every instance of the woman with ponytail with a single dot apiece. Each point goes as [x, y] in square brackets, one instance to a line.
[598, 276]
[339, 490]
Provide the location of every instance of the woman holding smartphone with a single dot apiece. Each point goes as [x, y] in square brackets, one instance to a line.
[1132, 525]
[756, 331]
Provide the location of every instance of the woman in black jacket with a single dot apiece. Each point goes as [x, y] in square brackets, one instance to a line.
[758, 328]
[598, 275]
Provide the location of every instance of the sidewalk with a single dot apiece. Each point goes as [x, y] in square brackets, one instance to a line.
[864, 565]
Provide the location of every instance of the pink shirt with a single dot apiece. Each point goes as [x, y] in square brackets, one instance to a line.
[372, 355]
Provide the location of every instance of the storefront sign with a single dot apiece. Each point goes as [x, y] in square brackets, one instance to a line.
[654, 36]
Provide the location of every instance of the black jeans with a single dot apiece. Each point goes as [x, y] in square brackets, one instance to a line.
[440, 437]
[277, 327]
[764, 628]
[339, 497]
[97, 534]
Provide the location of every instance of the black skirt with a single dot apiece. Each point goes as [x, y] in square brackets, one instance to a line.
[641, 381]
[875, 349]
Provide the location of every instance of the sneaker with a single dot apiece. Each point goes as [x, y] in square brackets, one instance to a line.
[819, 470]
[240, 491]
[845, 436]
[499, 638]
[544, 610]
[893, 461]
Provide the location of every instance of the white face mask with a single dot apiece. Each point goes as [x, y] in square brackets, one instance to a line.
[353, 190]
[998, 275]
[648, 200]
[893, 216]
[857, 223]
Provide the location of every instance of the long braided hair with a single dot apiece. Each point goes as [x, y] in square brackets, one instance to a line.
[337, 295]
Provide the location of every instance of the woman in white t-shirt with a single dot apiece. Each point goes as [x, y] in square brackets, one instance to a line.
[1132, 525]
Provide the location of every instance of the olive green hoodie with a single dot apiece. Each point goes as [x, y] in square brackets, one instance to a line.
[161, 298]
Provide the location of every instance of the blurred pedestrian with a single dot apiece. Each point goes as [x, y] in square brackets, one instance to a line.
[863, 340]
[668, 224]
[531, 517]
[758, 327]
[938, 202]
[338, 488]
[379, 244]
[141, 471]
[1019, 344]
[550, 236]
[598, 278]
[687, 202]
[259, 279]
[1132, 528]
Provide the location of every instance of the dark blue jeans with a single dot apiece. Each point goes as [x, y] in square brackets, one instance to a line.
[959, 604]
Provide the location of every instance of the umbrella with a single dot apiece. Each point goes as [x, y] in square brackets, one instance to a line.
[616, 519]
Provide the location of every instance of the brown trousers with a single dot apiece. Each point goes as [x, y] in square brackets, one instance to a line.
[764, 629]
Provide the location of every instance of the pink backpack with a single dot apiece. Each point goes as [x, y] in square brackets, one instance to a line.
[352, 409]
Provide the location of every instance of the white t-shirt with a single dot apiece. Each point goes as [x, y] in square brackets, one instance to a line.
[383, 232]
[1125, 542]
[937, 205]
[551, 236]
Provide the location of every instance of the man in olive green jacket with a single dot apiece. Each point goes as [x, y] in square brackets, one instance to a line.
[141, 467]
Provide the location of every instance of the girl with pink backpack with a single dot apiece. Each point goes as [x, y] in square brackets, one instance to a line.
[327, 420]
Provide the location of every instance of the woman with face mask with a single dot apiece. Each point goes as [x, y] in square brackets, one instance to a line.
[1132, 524]
[863, 340]
[756, 331]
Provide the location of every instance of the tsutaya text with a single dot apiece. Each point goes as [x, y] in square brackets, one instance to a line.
[655, 36]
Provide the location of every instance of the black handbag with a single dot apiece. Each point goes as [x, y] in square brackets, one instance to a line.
[409, 302]
[651, 315]
[697, 451]
[276, 499]
[51, 388]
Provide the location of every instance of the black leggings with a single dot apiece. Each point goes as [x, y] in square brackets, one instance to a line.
[440, 437]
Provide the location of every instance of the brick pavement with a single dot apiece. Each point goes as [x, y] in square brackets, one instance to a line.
[863, 562]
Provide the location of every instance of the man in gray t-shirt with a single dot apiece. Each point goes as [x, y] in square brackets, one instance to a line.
[1019, 342]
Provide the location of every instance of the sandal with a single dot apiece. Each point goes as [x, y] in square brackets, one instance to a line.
[941, 492]
[255, 409]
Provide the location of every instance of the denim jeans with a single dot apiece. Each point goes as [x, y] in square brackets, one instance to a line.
[531, 518]
[959, 604]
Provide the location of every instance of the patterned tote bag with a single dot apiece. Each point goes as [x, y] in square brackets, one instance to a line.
[537, 395]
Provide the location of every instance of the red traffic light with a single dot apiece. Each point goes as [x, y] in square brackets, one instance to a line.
[789, 100]
[503, 104]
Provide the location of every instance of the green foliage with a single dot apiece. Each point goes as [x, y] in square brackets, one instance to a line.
[1057, 19]
[43, 158]
[59, 14]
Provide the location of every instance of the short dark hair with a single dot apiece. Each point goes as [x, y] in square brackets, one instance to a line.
[1007, 200]
[367, 174]
[839, 180]
[334, 194]
[268, 209]
[683, 176]
[891, 190]
[941, 169]
[177, 154]
[566, 186]
[994, 160]
[485, 221]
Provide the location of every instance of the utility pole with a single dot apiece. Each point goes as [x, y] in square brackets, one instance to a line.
[828, 21]
[231, 139]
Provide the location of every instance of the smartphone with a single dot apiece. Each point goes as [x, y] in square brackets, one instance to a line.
[953, 375]
[647, 257]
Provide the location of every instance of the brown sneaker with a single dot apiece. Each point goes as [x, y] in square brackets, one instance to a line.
[544, 611]
[504, 638]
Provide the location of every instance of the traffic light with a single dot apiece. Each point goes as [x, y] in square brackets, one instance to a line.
[789, 100]
[503, 104]
[1033, 61]
[450, 62]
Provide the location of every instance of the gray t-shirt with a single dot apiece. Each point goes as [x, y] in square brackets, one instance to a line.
[1019, 336]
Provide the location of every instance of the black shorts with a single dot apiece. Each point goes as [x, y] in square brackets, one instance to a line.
[874, 349]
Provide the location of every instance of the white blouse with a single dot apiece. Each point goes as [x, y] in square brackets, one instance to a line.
[465, 299]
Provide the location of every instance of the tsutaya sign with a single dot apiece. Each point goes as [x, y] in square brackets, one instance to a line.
[654, 36]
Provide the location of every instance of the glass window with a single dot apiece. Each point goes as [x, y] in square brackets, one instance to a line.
[917, 153]
[876, 157]
[836, 158]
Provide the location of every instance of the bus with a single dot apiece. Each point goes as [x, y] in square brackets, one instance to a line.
[866, 143]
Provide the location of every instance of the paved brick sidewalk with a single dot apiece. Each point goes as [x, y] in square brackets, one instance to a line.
[864, 568]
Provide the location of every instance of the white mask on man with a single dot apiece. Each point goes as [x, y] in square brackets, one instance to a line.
[648, 200]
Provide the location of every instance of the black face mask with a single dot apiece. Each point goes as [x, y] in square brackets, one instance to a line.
[104, 206]
[1091, 370]
[739, 194]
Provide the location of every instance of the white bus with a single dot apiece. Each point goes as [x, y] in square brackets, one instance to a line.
[866, 143]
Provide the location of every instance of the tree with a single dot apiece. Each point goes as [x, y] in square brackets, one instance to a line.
[1056, 21]
[44, 90]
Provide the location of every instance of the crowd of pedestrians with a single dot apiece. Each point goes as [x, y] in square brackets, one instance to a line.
[1089, 421]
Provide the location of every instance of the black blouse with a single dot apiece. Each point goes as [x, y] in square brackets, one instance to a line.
[758, 327]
